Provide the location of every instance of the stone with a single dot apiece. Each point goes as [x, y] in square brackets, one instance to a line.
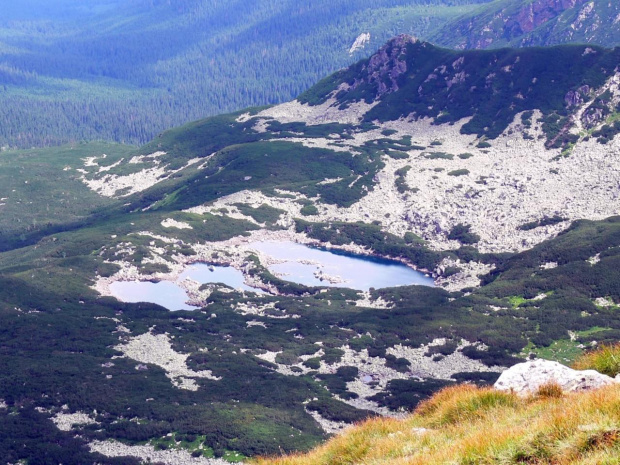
[526, 378]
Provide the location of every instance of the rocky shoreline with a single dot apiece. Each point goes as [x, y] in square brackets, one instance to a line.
[238, 249]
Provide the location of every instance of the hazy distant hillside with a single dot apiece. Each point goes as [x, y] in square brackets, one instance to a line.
[518, 23]
[124, 71]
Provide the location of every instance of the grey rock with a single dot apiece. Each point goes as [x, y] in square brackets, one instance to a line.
[591, 117]
[387, 65]
[526, 378]
[574, 98]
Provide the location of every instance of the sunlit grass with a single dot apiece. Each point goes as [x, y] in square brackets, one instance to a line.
[469, 425]
[605, 359]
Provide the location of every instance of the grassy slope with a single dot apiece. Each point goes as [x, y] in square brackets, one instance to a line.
[467, 425]
[41, 190]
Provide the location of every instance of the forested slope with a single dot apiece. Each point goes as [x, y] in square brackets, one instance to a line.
[124, 71]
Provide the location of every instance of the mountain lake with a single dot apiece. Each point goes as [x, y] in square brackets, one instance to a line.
[292, 262]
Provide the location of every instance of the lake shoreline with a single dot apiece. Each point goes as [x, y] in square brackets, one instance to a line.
[234, 253]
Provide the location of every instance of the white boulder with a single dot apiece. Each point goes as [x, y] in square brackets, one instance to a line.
[526, 378]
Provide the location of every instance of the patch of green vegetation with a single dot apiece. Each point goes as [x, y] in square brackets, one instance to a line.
[336, 411]
[309, 210]
[465, 156]
[564, 351]
[607, 132]
[411, 238]
[262, 214]
[42, 192]
[461, 172]
[526, 118]
[516, 300]
[439, 156]
[407, 394]
[462, 233]
[401, 179]
[301, 129]
[545, 221]
[397, 154]
[337, 382]
[568, 305]
[265, 165]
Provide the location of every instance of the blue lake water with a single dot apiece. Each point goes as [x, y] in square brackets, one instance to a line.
[217, 274]
[165, 293]
[301, 264]
[170, 295]
[358, 271]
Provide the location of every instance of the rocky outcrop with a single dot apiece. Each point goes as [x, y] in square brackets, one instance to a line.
[360, 43]
[526, 378]
[591, 117]
[574, 98]
[387, 65]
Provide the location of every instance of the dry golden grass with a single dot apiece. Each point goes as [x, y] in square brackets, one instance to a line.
[605, 359]
[469, 425]
[550, 389]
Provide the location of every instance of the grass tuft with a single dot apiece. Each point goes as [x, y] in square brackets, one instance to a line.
[605, 359]
[465, 402]
[550, 390]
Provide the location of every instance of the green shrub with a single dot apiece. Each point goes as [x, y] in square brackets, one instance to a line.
[461, 172]
[309, 210]
[462, 233]
[313, 363]
[439, 156]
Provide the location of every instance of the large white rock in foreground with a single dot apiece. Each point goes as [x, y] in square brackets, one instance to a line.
[526, 378]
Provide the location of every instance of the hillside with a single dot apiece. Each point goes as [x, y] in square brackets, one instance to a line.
[518, 23]
[470, 425]
[75, 71]
[494, 173]
[125, 71]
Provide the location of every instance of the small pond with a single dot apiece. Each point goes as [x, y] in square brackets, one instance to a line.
[298, 263]
[170, 295]
[217, 274]
[165, 293]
